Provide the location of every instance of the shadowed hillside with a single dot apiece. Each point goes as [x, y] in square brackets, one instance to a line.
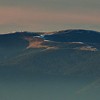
[65, 53]
[63, 65]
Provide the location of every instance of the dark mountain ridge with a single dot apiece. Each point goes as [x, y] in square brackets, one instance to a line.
[60, 36]
[69, 53]
[87, 36]
[62, 65]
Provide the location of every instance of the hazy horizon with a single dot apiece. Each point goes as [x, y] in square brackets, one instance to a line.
[45, 15]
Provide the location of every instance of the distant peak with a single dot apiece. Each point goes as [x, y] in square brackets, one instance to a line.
[78, 30]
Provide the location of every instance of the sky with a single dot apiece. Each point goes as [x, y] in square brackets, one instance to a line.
[49, 15]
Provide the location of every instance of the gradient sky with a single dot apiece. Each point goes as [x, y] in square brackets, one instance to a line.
[49, 15]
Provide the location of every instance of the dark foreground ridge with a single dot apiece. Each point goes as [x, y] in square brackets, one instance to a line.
[62, 65]
[78, 35]
[68, 53]
[86, 36]
[82, 39]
